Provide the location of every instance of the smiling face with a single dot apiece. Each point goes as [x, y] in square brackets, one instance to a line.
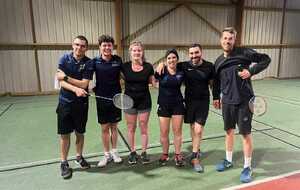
[136, 53]
[106, 49]
[79, 48]
[227, 41]
[195, 54]
[172, 61]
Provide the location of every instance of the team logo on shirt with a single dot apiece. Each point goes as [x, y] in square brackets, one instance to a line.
[179, 77]
[115, 64]
[81, 67]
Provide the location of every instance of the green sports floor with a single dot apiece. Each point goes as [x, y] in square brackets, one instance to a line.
[29, 157]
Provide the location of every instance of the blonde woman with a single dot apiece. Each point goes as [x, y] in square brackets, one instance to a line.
[138, 74]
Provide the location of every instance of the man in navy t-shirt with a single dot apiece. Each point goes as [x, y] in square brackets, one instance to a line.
[73, 75]
[107, 68]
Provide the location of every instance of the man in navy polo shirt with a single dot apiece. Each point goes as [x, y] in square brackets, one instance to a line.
[73, 75]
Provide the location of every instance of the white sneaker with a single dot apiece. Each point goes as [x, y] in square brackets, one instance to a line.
[105, 160]
[115, 156]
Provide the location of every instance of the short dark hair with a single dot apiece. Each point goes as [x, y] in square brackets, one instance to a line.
[231, 30]
[83, 38]
[105, 38]
[169, 51]
[196, 45]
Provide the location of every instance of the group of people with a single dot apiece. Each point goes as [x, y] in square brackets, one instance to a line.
[228, 79]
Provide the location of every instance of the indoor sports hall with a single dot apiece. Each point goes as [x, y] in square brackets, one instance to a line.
[34, 34]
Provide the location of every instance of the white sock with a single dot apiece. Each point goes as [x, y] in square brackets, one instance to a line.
[106, 154]
[114, 150]
[229, 156]
[247, 162]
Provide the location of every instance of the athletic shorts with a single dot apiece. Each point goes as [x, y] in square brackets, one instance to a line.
[140, 105]
[239, 115]
[107, 112]
[196, 111]
[168, 111]
[72, 116]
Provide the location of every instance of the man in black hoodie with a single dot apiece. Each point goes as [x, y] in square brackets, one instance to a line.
[232, 91]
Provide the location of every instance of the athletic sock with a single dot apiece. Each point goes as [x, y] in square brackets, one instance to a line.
[107, 154]
[247, 162]
[229, 156]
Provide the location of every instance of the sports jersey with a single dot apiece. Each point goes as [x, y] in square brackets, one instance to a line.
[169, 88]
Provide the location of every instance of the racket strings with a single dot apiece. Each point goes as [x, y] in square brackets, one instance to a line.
[257, 106]
[123, 101]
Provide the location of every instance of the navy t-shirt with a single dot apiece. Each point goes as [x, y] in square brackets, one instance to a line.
[107, 76]
[169, 88]
[81, 69]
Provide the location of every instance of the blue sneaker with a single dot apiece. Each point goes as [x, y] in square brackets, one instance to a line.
[224, 165]
[246, 175]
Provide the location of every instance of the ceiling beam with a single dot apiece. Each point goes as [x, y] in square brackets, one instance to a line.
[148, 26]
[215, 29]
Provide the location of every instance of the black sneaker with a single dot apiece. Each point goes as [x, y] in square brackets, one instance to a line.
[82, 162]
[145, 159]
[164, 158]
[66, 171]
[179, 160]
[132, 158]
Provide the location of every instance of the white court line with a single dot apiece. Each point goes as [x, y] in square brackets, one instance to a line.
[262, 181]
[50, 161]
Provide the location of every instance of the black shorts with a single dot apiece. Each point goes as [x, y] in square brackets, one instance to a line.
[107, 112]
[72, 116]
[237, 114]
[168, 111]
[196, 111]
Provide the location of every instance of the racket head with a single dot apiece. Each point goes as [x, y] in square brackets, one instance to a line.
[258, 105]
[122, 101]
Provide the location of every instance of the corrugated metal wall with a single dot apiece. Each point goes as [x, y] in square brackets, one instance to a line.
[290, 67]
[17, 67]
[264, 3]
[180, 27]
[58, 21]
[263, 27]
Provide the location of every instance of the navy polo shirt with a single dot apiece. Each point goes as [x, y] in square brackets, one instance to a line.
[107, 76]
[76, 69]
